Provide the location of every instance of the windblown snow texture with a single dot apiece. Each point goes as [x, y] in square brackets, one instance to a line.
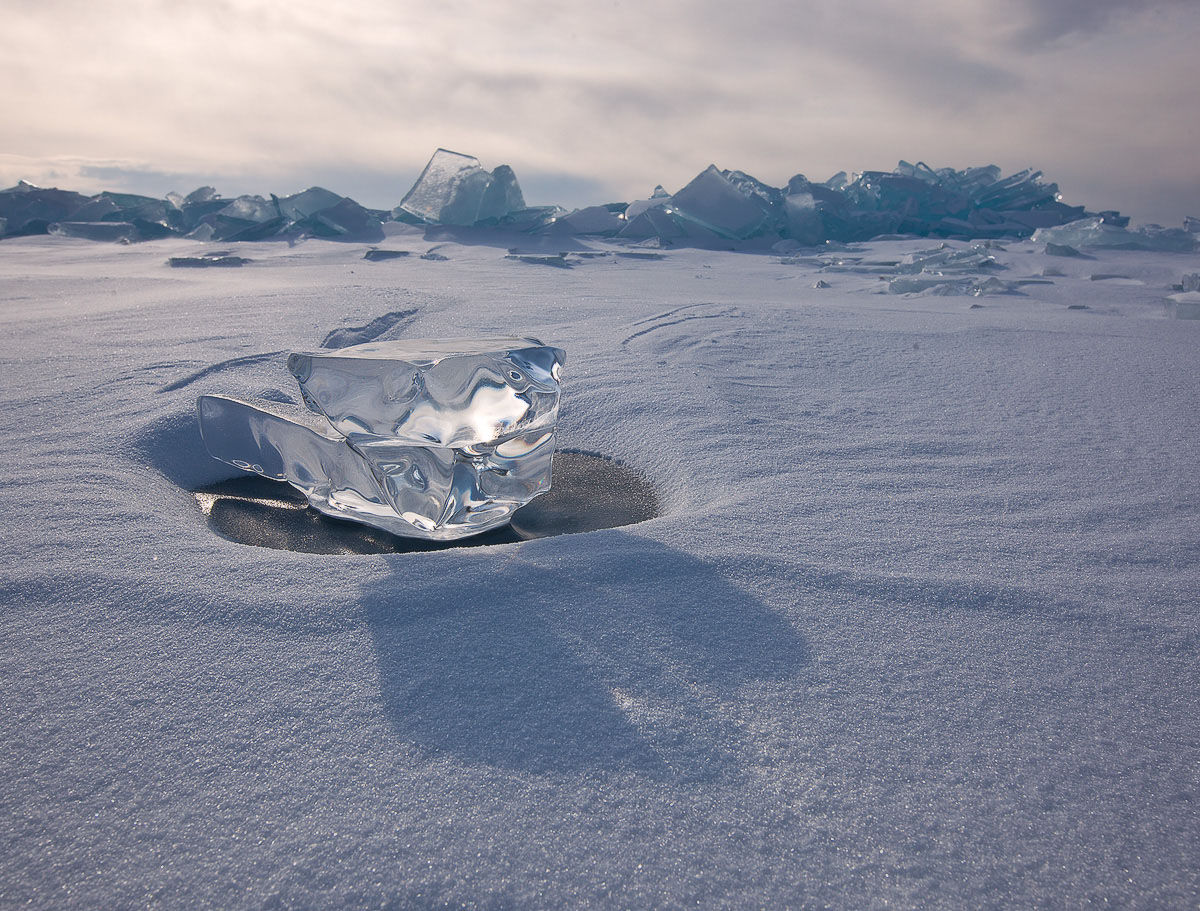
[916, 626]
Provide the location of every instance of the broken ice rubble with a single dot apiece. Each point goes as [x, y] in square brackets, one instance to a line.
[435, 439]
[202, 215]
[717, 207]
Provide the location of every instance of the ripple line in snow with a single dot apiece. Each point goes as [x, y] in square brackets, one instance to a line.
[650, 319]
[726, 312]
[216, 368]
[375, 329]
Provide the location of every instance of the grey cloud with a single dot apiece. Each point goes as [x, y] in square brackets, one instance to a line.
[621, 96]
[1047, 23]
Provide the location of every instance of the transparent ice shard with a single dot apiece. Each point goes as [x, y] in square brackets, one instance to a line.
[948, 285]
[837, 181]
[448, 392]
[306, 203]
[657, 222]
[592, 220]
[1096, 232]
[344, 219]
[427, 439]
[107, 231]
[454, 189]
[713, 202]
[251, 208]
[946, 259]
[804, 222]
[502, 197]
[752, 187]
[638, 206]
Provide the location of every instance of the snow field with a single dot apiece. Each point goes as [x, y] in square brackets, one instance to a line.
[917, 626]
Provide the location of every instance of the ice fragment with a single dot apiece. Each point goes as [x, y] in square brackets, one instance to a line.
[207, 260]
[109, 231]
[804, 221]
[1187, 304]
[375, 255]
[454, 189]
[424, 438]
[1053, 249]
[592, 220]
[713, 202]
[1096, 232]
[502, 196]
[309, 202]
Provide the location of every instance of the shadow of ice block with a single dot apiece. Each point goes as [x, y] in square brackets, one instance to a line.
[434, 439]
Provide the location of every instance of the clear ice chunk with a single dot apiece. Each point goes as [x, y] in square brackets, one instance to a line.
[804, 219]
[454, 189]
[946, 259]
[106, 231]
[657, 222]
[592, 220]
[716, 204]
[1096, 232]
[638, 206]
[448, 392]
[435, 439]
[502, 197]
[251, 208]
[306, 203]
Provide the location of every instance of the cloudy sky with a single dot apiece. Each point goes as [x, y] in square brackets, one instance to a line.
[598, 101]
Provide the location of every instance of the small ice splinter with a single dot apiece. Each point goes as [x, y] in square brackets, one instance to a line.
[425, 438]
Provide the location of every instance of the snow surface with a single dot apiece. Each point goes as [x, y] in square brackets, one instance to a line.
[917, 627]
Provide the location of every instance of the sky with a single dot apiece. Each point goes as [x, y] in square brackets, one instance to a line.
[600, 101]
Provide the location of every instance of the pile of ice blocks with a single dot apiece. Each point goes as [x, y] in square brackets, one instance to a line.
[716, 207]
[203, 215]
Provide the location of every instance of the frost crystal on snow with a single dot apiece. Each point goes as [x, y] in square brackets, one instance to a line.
[435, 439]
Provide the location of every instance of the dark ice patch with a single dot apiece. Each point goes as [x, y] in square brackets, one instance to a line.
[590, 492]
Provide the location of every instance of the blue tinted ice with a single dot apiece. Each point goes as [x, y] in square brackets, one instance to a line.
[715, 203]
[454, 189]
[592, 220]
[1096, 232]
[718, 205]
[308, 202]
[434, 439]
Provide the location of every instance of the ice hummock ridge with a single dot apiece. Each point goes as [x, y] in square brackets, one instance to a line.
[717, 206]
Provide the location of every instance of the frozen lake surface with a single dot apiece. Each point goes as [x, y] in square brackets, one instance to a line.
[916, 626]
